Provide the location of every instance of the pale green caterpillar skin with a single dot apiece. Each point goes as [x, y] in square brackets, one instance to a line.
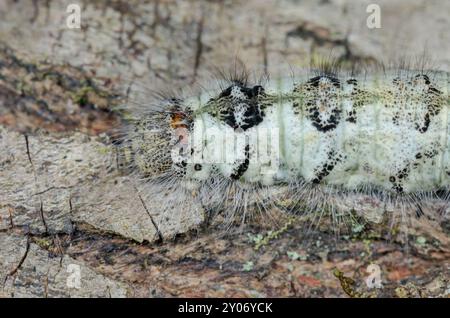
[387, 133]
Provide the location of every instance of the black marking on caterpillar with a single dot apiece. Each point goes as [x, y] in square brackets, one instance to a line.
[242, 167]
[327, 167]
[425, 93]
[239, 107]
[322, 102]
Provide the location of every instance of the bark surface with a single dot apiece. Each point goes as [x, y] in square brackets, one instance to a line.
[66, 207]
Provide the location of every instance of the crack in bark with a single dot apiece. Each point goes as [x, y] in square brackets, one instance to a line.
[41, 203]
[199, 45]
[265, 52]
[70, 205]
[160, 237]
[28, 150]
[46, 284]
[22, 260]
[11, 222]
[53, 188]
[41, 212]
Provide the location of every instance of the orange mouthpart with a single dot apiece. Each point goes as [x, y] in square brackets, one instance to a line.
[177, 121]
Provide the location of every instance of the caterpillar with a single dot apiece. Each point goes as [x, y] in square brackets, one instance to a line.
[297, 143]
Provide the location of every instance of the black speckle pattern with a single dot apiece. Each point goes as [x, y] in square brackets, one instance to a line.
[240, 106]
[322, 102]
[417, 92]
[333, 159]
[242, 167]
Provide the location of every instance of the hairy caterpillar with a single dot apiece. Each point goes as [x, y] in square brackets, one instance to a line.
[298, 143]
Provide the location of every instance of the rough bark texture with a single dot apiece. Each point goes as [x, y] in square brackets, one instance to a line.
[64, 200]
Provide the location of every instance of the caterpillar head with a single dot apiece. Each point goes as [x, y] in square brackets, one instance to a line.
[160, 140]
